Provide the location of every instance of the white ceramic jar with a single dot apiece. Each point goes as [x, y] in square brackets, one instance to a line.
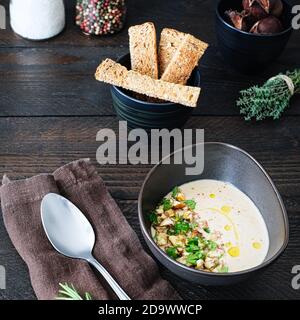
[37, 19]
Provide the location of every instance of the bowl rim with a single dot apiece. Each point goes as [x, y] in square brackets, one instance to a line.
[205, 273]
[146, 112]
[248, 33]
[153, 104]
[121, 92]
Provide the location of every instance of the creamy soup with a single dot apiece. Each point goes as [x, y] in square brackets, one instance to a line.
[210, 225]
[233, 213]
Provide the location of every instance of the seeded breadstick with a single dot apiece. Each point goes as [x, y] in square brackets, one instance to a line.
[143, 49]
[179, 61]
[112, 72]
[170, 41]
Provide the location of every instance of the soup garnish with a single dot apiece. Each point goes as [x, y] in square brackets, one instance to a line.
[177, 230]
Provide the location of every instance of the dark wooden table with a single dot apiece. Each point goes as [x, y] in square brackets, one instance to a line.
[51, 109]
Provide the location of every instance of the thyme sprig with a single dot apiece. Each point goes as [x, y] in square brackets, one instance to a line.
[269, 100]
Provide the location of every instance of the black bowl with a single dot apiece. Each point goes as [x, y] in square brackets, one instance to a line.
[248, 52]
[148, 115]
[226, 163]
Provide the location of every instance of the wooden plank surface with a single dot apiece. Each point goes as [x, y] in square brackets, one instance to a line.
[193, 16]
[25, 151]
[184, 15]
[61, 70]
[51, 109]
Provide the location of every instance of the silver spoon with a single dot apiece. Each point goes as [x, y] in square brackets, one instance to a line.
[71, 234]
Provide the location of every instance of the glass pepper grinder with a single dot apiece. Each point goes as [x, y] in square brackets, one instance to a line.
[100, 17]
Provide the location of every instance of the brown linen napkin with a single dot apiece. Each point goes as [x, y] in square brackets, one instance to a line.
[117, 246]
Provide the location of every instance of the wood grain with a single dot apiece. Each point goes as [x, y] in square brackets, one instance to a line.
[60, 82]
[25, 151]
[33, 145]
[55, 77]
[192, 16]
[163, 13]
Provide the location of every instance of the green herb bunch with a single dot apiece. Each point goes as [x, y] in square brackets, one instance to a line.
[269, 100]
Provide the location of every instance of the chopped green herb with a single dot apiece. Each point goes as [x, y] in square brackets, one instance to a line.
[192, 258]
[207, 230]
[175, 192]
[171, 231]
[172, 252]
[194, 241]
[167, 204]
[191, 204]
[152, 217]
[223, 269]
[187, 244]
[194, 225]
[181, 227]
[192, 248]
[193, 245]
[212, 245]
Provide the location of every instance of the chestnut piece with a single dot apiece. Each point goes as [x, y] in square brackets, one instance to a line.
[267, 25]
[254, 9]
[273, 7]
[239, 19]
[247, 4]
[277, 8]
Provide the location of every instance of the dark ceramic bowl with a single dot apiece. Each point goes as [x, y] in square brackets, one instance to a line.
[226, 163]
[248, 52]
[148, 115]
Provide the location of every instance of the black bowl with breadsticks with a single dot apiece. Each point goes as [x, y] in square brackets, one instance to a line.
[145, 112]
[155, 88]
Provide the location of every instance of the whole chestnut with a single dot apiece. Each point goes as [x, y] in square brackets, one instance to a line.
[258, 8]
[273, 7]
[267, 25]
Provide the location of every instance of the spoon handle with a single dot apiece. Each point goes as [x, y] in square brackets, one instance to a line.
[110, 280]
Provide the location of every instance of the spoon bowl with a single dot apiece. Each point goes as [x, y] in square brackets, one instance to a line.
[68, 230]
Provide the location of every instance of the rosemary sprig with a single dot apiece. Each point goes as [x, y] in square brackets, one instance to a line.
[269, 100]
[68, 292]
